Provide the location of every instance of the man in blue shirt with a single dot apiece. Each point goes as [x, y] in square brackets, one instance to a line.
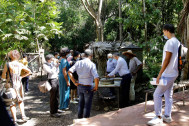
[87, 72]
[111, 65]
[124, 72]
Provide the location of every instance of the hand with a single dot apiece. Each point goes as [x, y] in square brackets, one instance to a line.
[76, 83]
[107, 76]
[7, 85]
[68, 84]
[133, 73]
[95, 89]
[157, 80]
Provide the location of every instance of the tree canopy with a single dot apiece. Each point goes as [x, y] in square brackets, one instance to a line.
[52, 24]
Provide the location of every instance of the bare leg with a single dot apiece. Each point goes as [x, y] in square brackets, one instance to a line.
[21, 106]
[75, 93]
[13, 112]
[72, 94]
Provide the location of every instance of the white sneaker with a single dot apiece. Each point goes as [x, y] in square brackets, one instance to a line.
[76, 99]
[75, 102]
[154, 121]
[167, 119]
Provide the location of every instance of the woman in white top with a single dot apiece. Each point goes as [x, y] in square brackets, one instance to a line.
[15, 68]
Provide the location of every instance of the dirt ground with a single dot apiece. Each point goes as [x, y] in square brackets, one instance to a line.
[37, 108]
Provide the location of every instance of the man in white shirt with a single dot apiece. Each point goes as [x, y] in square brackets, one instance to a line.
[87, 73]
[124, 72]
[168, 72]
[52, 72]
[134, 66]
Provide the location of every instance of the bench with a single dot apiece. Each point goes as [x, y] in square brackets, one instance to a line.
[182, 84]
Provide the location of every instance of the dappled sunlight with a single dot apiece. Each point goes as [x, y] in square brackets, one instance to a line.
[31, 122]
[184, 119]
[149, 115]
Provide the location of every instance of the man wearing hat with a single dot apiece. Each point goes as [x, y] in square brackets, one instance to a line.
[134, 66]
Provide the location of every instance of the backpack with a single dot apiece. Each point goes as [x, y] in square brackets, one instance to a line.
[182, 51]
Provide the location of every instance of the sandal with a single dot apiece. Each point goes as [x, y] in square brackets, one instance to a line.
[25, 118]
[15, 123]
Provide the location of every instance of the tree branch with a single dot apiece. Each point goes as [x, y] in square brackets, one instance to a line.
[100, 9]
[92, 14]
[91, 9]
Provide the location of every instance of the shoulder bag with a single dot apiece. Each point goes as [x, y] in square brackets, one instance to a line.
[44, 86]
[9, 94]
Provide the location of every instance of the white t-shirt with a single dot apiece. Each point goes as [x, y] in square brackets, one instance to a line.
[133, 63]
[172, 46]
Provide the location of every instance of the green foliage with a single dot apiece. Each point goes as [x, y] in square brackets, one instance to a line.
[23, 23]
[158, 12]
[79, 27]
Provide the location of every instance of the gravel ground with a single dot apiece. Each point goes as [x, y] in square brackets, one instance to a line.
[37, 108]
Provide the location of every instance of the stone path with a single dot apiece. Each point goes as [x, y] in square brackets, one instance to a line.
[135, 115]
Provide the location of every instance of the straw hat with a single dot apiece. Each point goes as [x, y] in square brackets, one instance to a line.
[128, 52]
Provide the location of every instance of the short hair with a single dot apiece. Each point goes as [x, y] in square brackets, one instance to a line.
[116, 54]
[88, 52]
[48, 57]
[75, 53]
[24, 56]
[82, 54]
[110, 55]
[14, 54]
[56, 53]
[64, 51]
[169, 27]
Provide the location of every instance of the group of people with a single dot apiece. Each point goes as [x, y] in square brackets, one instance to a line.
[118, 64]
[81, 70]
[84, 78]
[168, 72]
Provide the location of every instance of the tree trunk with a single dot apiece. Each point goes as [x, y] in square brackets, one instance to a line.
[96, 17]
[186, 40]
[145, 23]
[99, 31]
[120, 23]
[101, 65]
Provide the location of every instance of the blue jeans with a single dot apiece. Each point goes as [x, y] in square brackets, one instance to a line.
[25, 81]
[167, 91]
[85, 101]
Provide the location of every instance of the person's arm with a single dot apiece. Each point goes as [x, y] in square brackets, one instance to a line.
[4, 72]
[65, 76]
[72, 78]
[70, 73]
[118, 66]
[164, 66]
[48, 70]
[96, 77]
[96, 80]
[138, 68]
[27, 72]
